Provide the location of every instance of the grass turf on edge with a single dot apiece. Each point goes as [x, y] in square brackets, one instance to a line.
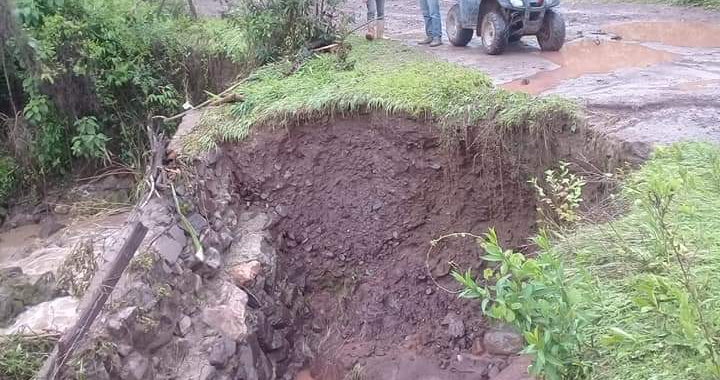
[376, 76]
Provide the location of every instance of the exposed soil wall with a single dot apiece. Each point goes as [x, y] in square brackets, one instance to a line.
[356, 202]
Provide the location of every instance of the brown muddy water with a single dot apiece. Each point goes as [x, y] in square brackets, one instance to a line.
[684, 34]
[599, 56]
[589, 57]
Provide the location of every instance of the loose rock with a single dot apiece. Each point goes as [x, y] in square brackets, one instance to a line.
[221, 352]
[168, 248]
[502, 342]
[456, 327]
[49, 227]
[137, 367]
[184, 325]
[245, 273]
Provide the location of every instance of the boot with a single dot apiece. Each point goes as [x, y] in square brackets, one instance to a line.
[370, 35]
[380, 29]
[426, 41]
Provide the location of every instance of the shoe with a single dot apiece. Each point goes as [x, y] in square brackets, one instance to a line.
[370, 35]
[380, 32]
[437, 41]
[426, 41]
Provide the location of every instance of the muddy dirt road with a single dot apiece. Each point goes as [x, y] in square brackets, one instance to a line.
[647, 73]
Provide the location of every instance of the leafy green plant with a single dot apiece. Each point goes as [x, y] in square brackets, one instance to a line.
[675, 297]
[282, 27]
[559, 195]
[89, 142]
[109, 63]
[50, 148]
[536, 298]
[8, 177]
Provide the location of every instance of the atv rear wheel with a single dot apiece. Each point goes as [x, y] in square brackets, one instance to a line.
[494, 32]
[457, 35]
[551, 35]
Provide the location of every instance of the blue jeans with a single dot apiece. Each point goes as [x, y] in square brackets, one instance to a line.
[375, 10]
[431, 14]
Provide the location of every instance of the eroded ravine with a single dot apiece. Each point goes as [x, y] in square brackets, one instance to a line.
[355, 204]
[315, 254]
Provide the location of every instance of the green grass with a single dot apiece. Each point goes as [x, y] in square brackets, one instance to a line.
[21, 356]
[378, 76]
[624, 271]
[713, 4]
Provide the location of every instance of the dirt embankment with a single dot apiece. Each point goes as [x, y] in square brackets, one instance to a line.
[315, 254]
[355, 203]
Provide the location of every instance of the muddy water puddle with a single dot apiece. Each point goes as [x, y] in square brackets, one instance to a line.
[599, 56]
[589, 57]
[683, 34]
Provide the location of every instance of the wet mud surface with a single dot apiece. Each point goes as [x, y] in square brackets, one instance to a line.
[655, 68]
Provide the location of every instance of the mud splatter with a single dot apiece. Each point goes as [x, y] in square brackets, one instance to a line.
[589, 57]
[684, 34]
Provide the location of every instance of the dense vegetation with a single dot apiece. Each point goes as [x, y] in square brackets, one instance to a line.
[83, 78]
[633, 298]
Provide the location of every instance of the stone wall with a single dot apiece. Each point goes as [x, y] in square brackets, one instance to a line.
[175, 314]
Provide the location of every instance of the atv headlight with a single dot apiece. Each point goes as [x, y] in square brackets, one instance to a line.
[517, 3]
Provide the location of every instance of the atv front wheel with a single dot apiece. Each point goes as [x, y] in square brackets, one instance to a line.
[457, 35]
[551, 35]
[494, 32]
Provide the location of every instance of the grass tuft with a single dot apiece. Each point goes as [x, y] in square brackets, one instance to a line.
[380, 76]
[22, 355]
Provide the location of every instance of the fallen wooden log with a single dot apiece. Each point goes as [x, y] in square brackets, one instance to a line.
[69, 341]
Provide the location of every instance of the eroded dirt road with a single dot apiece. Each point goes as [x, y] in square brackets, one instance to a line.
[647, 73]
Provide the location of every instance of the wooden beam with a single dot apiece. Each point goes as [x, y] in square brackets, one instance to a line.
[69, 341]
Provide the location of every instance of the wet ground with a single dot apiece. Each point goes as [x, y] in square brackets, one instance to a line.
[647, 73]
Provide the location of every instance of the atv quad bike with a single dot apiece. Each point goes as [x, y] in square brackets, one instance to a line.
[498, 22]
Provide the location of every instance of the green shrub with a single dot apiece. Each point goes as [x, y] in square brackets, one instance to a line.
[8, 177]
[536, 298]
[101, 68]
[283, 27]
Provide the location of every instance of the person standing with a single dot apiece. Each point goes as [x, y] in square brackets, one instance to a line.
[376, 19]
[433, 24]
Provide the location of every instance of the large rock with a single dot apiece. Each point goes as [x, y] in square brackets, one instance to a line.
[49, 227]
[517, 370]
[221, 352]
[137, 367]
[254, 365]
[19, 291]
[168, 248]
[227, 316]
[502, 342]
[252, 245]
[244, 274]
